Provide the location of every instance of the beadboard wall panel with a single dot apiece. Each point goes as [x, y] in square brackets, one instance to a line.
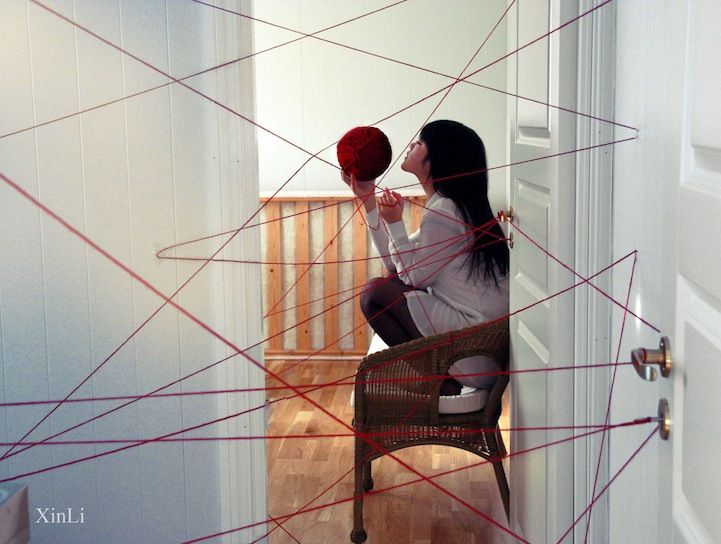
[134, 176]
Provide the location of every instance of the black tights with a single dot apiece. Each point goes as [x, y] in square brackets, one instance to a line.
[384, 305]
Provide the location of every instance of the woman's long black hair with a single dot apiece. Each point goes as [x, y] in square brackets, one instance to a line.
[454, 150]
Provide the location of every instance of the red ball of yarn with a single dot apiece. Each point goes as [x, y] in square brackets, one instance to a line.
[364, 152]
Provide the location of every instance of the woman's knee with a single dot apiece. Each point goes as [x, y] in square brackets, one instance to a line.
[370, 297]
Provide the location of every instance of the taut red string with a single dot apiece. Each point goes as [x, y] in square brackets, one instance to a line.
[317, 352]
[605, 488]
[143, 324]
[228, 343]
[315, 261]
[564, 265]
[438, 180]
[10, 453]
[445, 244]
[196, 74]
[393, 487]
[20, 404]
[438, 105]
[289, 386]
[456, 80]
[317, 436]
[180, 82]
[610, 394]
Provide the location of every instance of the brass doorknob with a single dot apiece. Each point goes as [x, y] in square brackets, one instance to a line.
[643, 358]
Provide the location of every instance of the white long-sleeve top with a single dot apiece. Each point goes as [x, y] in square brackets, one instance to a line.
[434, 261]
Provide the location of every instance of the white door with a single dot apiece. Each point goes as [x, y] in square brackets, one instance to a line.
[542, 195]
[667, 200]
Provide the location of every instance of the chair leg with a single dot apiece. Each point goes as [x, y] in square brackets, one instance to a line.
[358, 534]
[503, 487]
[367, 476]
[497, 450]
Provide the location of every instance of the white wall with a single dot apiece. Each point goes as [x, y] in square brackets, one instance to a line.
[312, 92]
[134, 176]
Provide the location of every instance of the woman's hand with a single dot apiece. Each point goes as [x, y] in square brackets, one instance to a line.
[390, 206]
[361, 189]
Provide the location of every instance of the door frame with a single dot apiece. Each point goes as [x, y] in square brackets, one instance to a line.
[593, 224]
[243, 464]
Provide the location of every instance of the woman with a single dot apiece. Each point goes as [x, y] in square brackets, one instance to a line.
[453, 271]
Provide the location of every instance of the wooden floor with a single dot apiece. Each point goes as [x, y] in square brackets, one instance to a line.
[301, 469]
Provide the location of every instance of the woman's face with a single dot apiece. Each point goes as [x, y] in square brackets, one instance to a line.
[416, 160]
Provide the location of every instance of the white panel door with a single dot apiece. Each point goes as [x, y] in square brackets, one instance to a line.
[668, 205]
[542, 195]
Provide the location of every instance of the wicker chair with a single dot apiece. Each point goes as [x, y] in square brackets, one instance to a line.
[392, 396]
